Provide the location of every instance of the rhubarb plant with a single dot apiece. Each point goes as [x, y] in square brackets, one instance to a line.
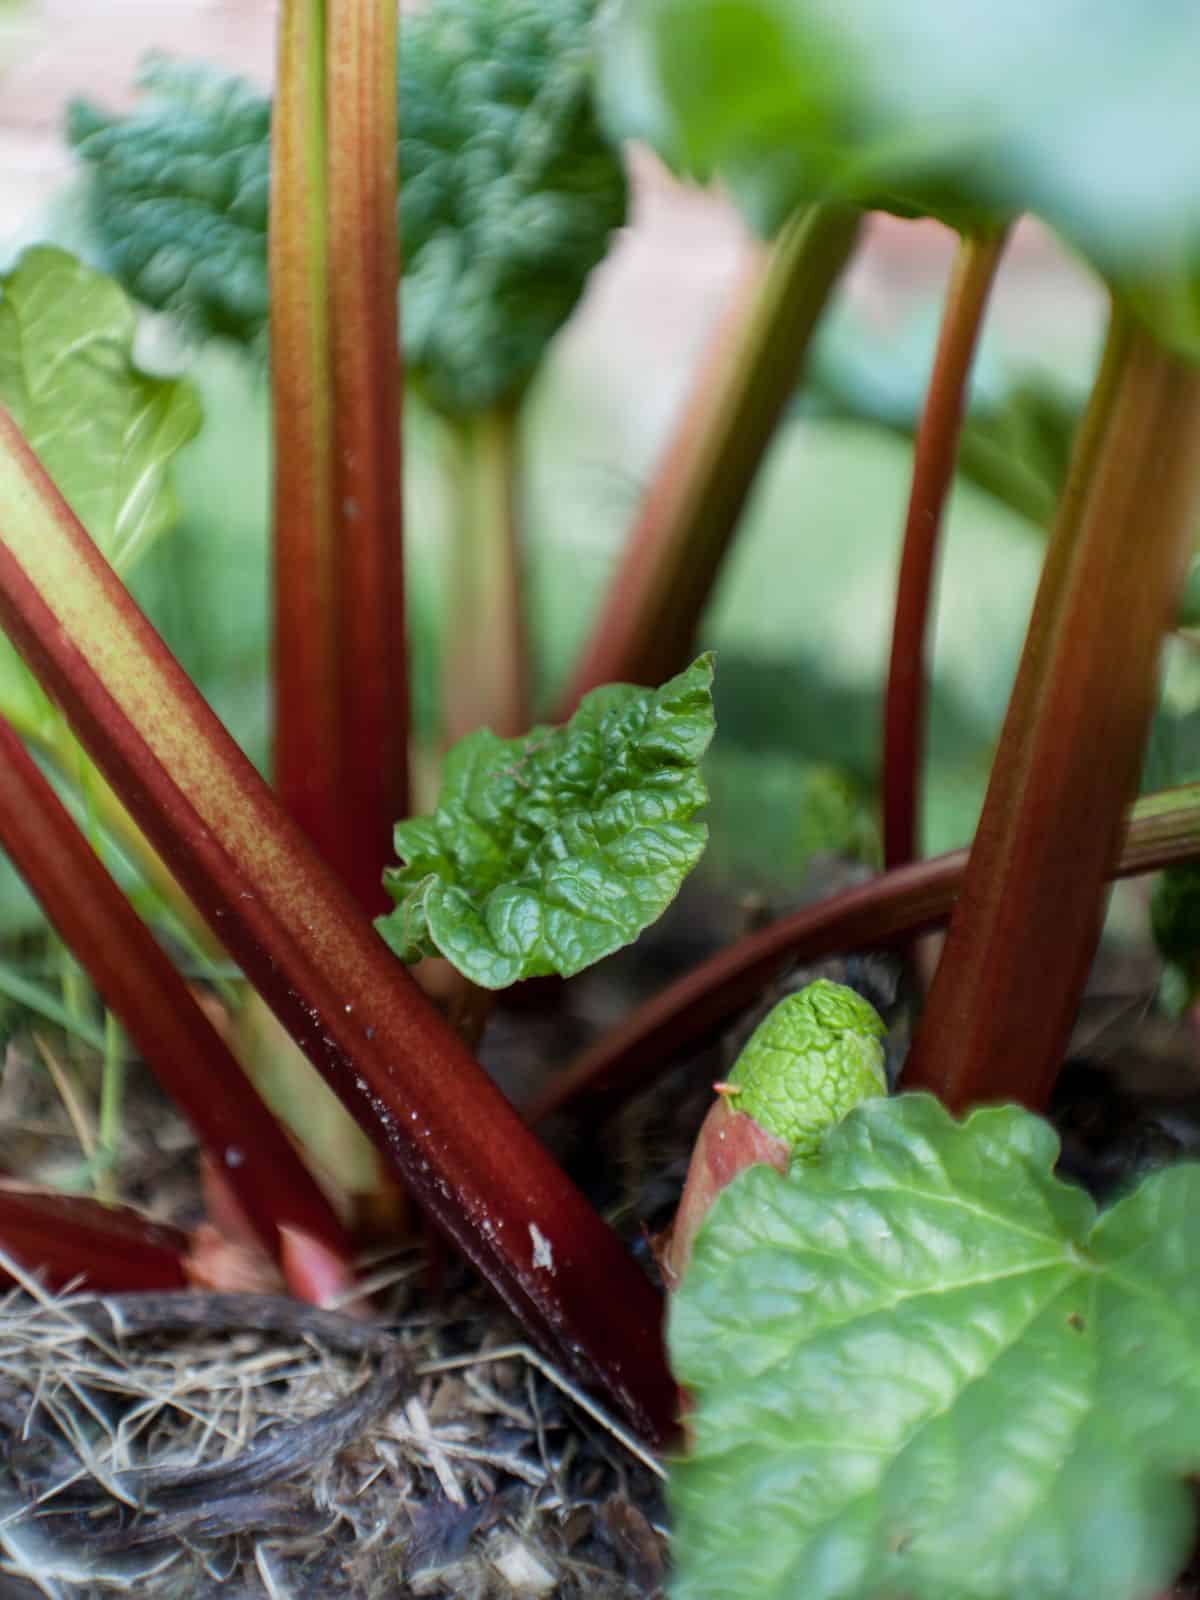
[894, 1325]
[812, 1059]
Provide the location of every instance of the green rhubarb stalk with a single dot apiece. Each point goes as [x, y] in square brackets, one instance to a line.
[487, 658]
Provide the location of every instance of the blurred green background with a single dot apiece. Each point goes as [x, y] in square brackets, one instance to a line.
[801, 617]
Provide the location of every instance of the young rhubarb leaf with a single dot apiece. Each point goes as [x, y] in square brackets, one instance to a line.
[926, 1331]
[103, 429]
[809, 1062]
[812, 1059]
[548, 852]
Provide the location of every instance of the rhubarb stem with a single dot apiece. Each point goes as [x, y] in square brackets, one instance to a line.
[487, 658]
[371, 645]
[1022, 940]
[137, 981]
[935, 453]
[306, 752]
[71, 1241]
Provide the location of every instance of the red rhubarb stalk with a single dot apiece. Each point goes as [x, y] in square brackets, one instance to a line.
[934, 458]
[70, 1240]
[1023, 936]
[295, 931]
[306, 752]
[372, 661]
[175, 1038]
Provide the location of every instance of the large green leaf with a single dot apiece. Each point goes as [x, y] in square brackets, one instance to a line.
[922, 1367]
[551, 851]
[104, 430]
[1079, 110]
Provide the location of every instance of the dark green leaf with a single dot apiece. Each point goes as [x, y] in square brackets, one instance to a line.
[922, 1367]
[551, 851]
[178, 194]
[510, 192]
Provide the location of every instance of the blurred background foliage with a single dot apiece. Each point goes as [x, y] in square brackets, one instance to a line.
[801, 617]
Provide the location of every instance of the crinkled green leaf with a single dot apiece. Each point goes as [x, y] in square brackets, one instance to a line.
[551, 851]
[812, 1059]
[509, 192]
[104, 430]
[178, 193]
[923, 1367]
[1082, 111]
[509, 189]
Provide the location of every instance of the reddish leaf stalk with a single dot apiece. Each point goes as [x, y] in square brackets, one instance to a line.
[648, 621]
[1025, 931]
[70, 1240]
[891, 910]
[138, 982]
[934, 458]
[364, 277]
[487, 657]
[441, 1123]
[306, 753]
